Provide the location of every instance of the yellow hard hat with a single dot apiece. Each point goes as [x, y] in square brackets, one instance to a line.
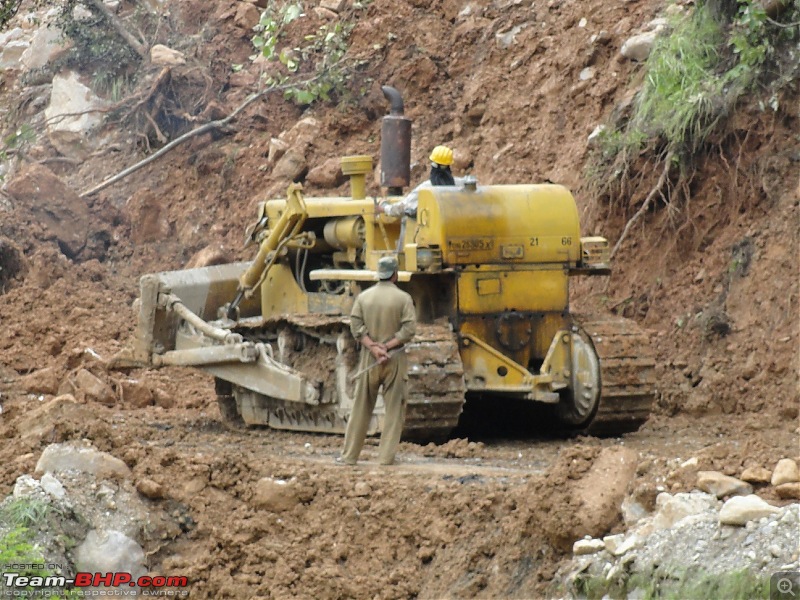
[442, 155]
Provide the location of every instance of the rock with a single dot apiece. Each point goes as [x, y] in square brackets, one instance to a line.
[148, 218]
[632, 511]
[324, 13]
[327, 175]
[290, 166]
[362, 489]
[53, 204]
[110, 551]
[689, 463]
[751, 367]
[74, 111]
[247, 16]
[242, 79]
[619, 544]
[586, 74]
[57, 458]
[26, 486]
[639, 46]
[507, 38]
[53, 486]
[43, 421]
[89, 387]
[600, 492]
[163, 398]
[43, 381]
[277, 147]
[81, 13]
[788, 491]
[275, 495]
[613, 542]
[150, 489]
[721, 485]
[756, 475]
[11, 35]
[587, 546]
[741, 509]
[163, 55]
[194, 486]
[461, 160]
[336, 6]
[215, 254]
[47, 44]
[426, 553]
[135, 394]
[303, 133]
[11, 55]
[601, 37]
[785, 472]
[594, 137]
[673, 509]
[658, 24]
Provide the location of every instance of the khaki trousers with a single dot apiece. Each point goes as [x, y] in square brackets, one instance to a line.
[392, 376]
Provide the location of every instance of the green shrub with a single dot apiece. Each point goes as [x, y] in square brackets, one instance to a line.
[321, 55]
[693, 79]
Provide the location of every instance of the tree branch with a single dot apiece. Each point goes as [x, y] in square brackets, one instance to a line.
[116, 23]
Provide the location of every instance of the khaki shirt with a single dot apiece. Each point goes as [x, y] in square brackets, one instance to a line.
[383, 311]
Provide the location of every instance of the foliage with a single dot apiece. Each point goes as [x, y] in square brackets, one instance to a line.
[693, 79]
[24, 512]
[16, 549]
[8, 8]
[97, 47]
[737, 585]
[676, 585]
[320, 55]
[16, 142]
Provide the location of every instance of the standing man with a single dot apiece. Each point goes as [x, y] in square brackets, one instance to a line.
[383, 320]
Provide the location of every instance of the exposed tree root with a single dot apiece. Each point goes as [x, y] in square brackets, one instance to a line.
[657, 189]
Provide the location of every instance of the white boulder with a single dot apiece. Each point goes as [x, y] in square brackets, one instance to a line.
[73, 112]
[69, 457]
[639, 46]
[741, 509]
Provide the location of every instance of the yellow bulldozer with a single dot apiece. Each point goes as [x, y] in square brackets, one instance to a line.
[488, 268]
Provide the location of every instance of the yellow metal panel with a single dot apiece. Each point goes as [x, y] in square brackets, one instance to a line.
[488, 286]
[485, 331]
[520, 290]
[326, 207]
[544, 331]
[352, 275]
[280, 293]
[500, 224]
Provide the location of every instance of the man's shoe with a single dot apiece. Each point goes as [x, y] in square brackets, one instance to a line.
[340, 462]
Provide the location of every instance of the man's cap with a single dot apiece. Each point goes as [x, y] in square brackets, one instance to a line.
[387, 267]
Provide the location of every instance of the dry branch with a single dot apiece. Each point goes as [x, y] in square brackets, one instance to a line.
[126, 35]
[646, 204]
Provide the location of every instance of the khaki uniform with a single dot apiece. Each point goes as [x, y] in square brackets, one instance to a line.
[384, 311]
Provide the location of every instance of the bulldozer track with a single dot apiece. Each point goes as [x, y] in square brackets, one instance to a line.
[627, 373]
[435, 393]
